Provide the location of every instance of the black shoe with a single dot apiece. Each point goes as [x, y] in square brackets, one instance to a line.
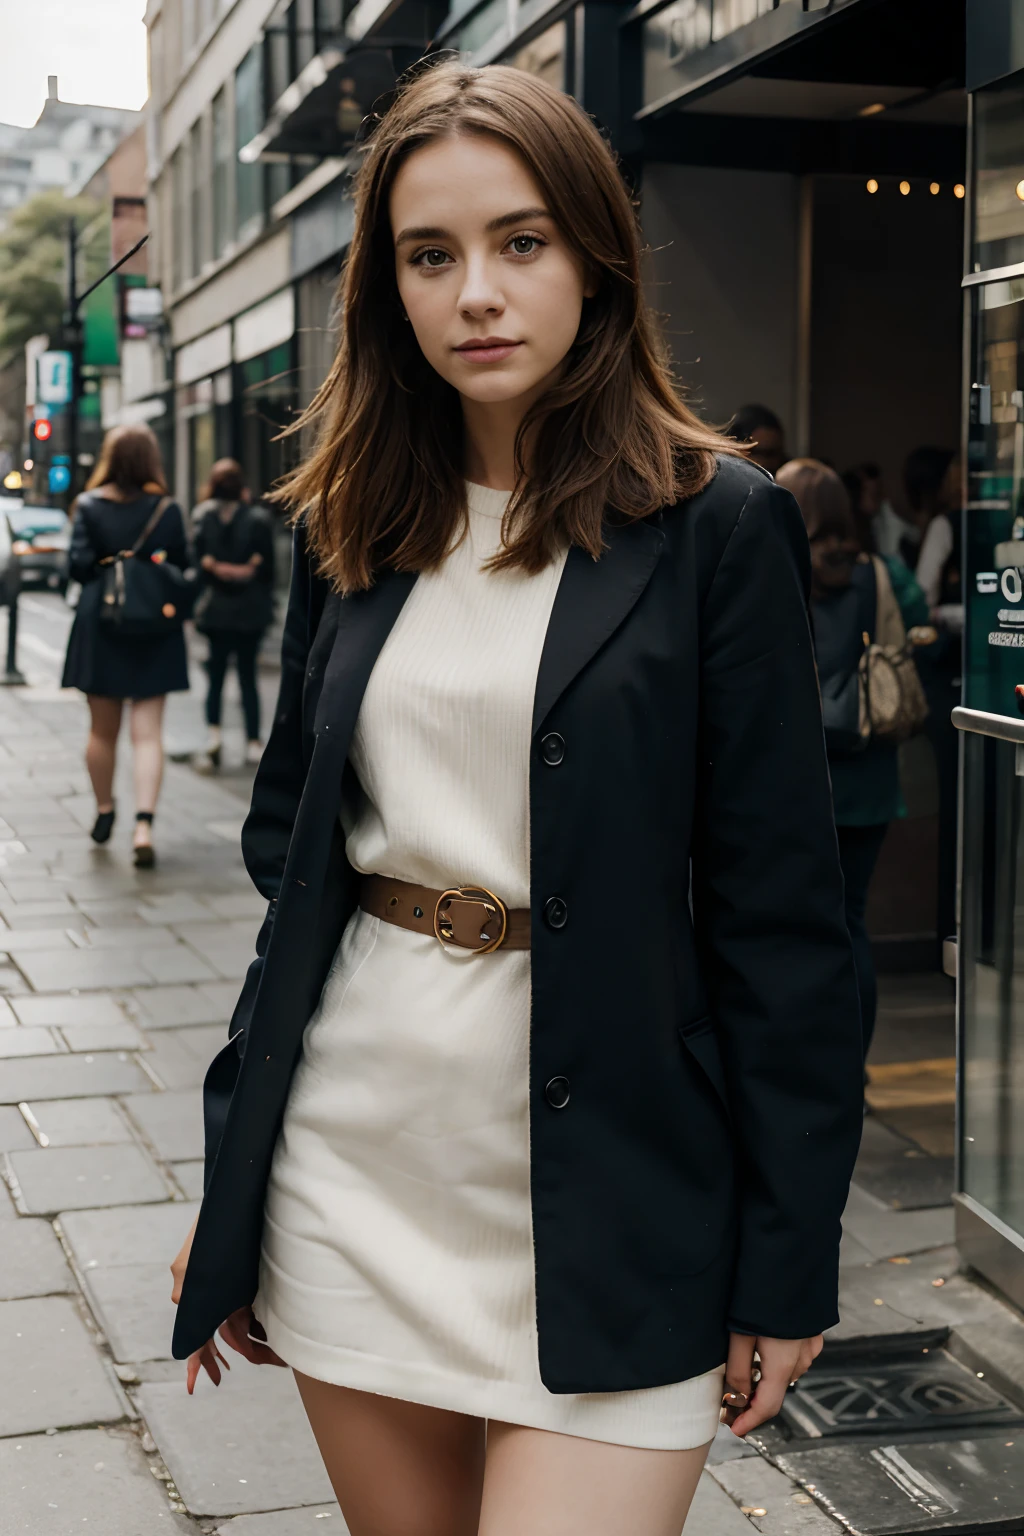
[103, 826]
[144, 855]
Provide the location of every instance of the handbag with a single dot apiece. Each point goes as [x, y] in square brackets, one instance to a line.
[894, 702]
[144, 596]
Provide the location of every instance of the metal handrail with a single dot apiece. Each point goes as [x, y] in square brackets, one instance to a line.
[984, 724]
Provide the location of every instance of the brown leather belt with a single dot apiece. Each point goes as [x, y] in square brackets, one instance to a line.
[463, 917]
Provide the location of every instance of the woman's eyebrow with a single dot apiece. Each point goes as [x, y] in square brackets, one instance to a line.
[503, 221]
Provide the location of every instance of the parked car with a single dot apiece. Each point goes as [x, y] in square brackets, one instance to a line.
[40, 538]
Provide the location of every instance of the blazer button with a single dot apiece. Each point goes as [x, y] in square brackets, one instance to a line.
[556, 913]
[557, 1092]
[552, 749]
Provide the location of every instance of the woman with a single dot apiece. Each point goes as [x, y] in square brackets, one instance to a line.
[234, 548]
[551, 1149]
[852, 593]
[126, 497]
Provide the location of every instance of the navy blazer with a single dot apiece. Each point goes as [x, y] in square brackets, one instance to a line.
[693, 981]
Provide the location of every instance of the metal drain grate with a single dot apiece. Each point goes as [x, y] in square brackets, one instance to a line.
[892, 1397]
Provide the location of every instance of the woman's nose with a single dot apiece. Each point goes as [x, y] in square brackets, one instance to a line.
[481, 293]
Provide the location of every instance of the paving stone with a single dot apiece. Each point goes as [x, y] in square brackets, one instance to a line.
[70, 1076]
[176, 908]
[8, 1018]
[177, 964]
[289, 1522]
[62, 1009]
[28, 1042]
[173, 1006]
[63, 921]
[19, 941]
[180, 1057]
[14, 1133]
[128, 1235]
[55, 1179]
[103, 1037]
[238, 904]
[52, 1485]
[12, 981]
[909, 1301]
[239, 1448]
[713, 1513]
[145, 936]
[753, 1484]
[53, 1375]
[190, 1177]
[32, 1261]
[132, 1303]
[80, 1122]
[172, 1122]
[53, 970]
[886, 1233]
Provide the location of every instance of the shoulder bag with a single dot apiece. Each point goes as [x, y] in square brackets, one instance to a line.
[892, 699]
[144, 595]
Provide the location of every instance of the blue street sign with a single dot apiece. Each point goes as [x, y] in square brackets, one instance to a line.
[54, 378]
[60, 478]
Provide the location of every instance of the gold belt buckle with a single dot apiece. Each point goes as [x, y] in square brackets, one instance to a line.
[491, 906]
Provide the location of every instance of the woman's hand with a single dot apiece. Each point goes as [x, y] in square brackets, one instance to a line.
[235, 1331]
[782, 1362]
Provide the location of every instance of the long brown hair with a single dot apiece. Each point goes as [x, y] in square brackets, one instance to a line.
[384, 484]
[130, 461]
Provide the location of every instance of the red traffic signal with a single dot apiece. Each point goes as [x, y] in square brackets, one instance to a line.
[42, 430]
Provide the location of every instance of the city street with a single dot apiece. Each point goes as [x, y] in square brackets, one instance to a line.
[116, 990]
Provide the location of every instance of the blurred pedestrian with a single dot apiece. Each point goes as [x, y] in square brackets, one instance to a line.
[852, 595]
[125, 508]
[762, 429]
[933, 484]
[490, 1200]
[234, 550]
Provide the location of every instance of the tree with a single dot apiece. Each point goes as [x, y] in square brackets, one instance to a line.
[33, 263]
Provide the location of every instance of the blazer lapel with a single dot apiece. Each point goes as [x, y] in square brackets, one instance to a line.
[593, 598]
[364, 622]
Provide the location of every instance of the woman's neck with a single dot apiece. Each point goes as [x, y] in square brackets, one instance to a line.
[491, 429]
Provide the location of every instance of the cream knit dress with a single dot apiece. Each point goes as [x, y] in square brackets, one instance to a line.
[397, 1248]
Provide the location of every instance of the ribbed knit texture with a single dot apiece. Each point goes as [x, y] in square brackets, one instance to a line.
[398, 1251]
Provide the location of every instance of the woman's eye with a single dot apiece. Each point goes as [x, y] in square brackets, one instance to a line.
[432, 258]
[523, 245]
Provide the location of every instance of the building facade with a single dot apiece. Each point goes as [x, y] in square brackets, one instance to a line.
[62, 149]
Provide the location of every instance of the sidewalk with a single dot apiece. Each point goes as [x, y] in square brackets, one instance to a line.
[115, 990]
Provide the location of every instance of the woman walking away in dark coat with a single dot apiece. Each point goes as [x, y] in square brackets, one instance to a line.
[234, 548]
[123, 495]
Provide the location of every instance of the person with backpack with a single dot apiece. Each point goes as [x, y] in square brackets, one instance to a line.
[234, 549]
[129, 551]
[854, 610]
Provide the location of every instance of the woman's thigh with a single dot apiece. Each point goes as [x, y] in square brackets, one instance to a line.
[541, 1484]
[398, 1469]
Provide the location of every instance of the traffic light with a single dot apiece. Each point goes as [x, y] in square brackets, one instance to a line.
[42, 430]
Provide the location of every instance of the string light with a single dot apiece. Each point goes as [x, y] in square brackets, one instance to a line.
[905, 188]
[959, 189]
[1019, 189]
[934, 189]
[872, 185]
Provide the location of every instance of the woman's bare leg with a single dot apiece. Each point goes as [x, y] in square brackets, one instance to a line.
[398, 1469]
[101, 748]
[148, 749]
[541, 1484]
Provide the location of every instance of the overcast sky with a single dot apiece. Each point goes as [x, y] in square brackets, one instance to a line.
[96, 48]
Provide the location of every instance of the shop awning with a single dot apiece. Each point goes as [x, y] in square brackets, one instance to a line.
[321, 112]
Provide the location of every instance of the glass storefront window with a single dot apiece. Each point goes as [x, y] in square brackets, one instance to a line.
[995, 501]
[268, 388]
[545, 56]
[992, 963]
[249, 188]
[223, 155]
[999, 177]
[482, 26]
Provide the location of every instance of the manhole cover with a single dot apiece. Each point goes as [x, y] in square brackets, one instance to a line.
[898, 1488]
[923, 1392]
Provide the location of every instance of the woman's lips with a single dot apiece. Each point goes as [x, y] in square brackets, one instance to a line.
[489, 350]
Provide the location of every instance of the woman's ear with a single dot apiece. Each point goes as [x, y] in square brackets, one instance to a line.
[591, 282]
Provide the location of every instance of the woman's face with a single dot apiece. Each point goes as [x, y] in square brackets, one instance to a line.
[490, 287]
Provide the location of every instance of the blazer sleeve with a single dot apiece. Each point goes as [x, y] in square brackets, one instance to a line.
[768, 912]
[82, 551]
[175, 537]
[281, 775]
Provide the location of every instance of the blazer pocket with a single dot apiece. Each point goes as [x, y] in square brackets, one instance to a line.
[701, 1040]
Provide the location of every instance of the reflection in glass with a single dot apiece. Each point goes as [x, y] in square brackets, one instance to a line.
[998, 173]
[545, 56]
[992, 958]
[995, 500]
